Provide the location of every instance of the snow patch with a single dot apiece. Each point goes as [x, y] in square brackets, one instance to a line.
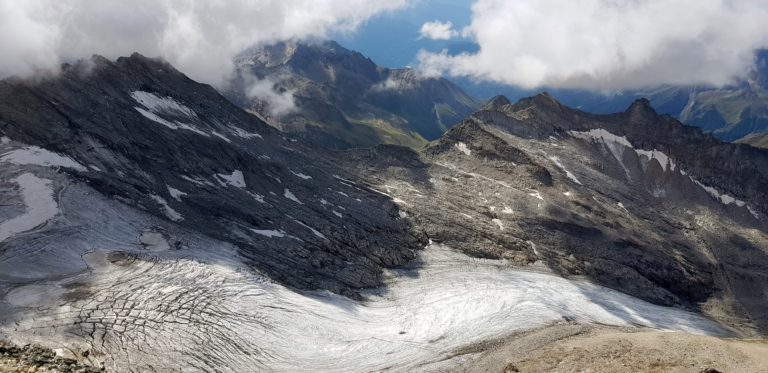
[571, 176]
[341, 216]
[235, 179]
[169, 211]
[314, 231]
[288, 194]
[301, 175]
[463, 148]
[269, 233]
[158, 104]
[37, 195]
[507, 210]
[499, 223]
[258, 197]
[239, 132]
[723, 198]
[175, 193]
[221, 136]
[536, 194]
[33, 155]
[663, 159]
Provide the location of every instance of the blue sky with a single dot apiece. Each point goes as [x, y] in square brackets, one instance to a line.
[391, 39]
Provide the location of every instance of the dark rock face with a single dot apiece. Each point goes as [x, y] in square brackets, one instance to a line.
[156, 140]
[634, 200]
[344, 100]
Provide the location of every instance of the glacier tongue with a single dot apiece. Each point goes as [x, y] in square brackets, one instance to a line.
[212, 314]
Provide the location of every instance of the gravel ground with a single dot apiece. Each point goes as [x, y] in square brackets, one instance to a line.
[31, 358]
[575, 348]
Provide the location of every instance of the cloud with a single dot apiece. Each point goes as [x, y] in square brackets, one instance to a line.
[437, 30]
[200, 37]
[278, 102]
[608, 44]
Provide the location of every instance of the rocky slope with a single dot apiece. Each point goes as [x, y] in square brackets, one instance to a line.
[634, 201]
[756, 140]
[342, 99]
[578, 348]
[139, 132]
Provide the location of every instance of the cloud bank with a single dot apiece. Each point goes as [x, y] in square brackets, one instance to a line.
[437, 30]
[200, 37]
[608, 44]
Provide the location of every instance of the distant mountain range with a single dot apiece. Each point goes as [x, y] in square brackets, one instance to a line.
[344, 100]
[734, 113]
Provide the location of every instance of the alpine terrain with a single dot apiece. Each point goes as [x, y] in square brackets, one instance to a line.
[149, 224]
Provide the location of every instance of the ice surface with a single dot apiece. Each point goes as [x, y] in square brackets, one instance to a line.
[257, 325]
[33, 155]
[37, 194]
[154, 241]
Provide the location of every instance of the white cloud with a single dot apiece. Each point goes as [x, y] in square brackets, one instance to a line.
[438, 30]
[266, 90]
[608, 44]
[200, 37]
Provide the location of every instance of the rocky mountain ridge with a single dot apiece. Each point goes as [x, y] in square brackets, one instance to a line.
[634, 200]
[343, 99]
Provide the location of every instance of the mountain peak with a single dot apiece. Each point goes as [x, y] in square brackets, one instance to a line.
[496, 103]
[542, 101]
[641, 109]
[641, 104]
